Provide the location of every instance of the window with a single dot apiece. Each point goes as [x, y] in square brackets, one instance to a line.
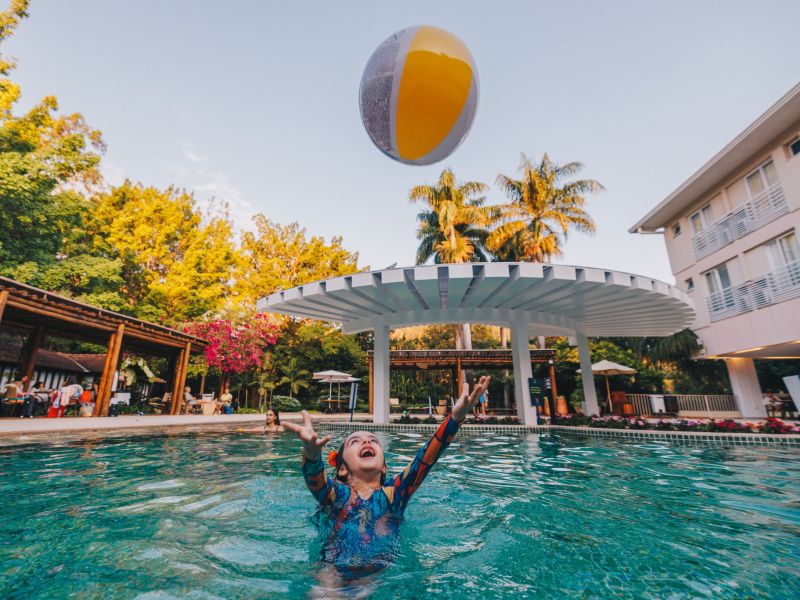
[718, 282]
[794, 147]
[690, 285]
[676, 230]
[763, 177]
[784, 250]
[718, 279]
[701, 219]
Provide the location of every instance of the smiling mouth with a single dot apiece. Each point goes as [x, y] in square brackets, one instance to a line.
[366, 453]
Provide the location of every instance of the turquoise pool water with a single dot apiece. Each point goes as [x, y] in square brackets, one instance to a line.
[226, 515]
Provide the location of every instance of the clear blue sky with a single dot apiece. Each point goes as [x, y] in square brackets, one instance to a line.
[256, 102]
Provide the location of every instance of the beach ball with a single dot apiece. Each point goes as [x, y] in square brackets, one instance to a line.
[418, 94]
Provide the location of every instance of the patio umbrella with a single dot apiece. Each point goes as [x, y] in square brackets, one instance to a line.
[606, 367]
[334, 375]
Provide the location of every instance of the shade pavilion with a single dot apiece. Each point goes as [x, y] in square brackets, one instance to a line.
[531, 299]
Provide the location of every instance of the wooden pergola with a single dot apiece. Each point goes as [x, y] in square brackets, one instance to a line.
[459, 360]
[41, 313]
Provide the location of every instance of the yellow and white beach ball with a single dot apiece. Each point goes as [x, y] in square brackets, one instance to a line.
[418, 94]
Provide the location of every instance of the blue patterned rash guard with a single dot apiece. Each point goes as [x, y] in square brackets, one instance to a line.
[361, 534]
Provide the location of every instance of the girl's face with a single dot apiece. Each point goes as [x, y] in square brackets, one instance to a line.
[270, 417]
[363, 455]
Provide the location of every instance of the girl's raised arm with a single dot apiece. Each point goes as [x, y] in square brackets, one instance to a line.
[320, 485]
[405, 484]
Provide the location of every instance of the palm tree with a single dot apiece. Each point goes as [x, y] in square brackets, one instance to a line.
[452, 228]
[294, 375]
[543, 209]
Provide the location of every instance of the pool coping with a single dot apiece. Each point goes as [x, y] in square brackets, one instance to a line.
[647, 435]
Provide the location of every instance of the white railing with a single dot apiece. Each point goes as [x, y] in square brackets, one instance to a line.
[762, 209]
[770, 288]
[687, 403]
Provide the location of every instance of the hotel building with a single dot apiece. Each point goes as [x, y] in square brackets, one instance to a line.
[732, 233]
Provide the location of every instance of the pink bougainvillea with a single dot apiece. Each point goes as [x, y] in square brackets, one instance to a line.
[236, 348]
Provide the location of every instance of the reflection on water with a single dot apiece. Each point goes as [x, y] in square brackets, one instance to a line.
[226, 515]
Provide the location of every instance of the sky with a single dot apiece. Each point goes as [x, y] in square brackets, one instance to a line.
[256, 103]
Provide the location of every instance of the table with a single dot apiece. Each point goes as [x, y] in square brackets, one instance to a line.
[330, 402]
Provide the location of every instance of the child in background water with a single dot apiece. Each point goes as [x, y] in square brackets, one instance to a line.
[362, 508]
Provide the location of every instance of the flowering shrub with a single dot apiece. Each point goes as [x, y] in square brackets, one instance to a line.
[771, 425]
[236, 348]
[406, 419]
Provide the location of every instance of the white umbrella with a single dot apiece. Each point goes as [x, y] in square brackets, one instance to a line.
[335, 375]
[606, 367]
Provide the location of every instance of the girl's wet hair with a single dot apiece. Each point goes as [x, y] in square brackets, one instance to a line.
[339, 461]
[277, 415]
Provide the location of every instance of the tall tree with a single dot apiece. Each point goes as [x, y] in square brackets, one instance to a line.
[545, 205]
[277, 257]
[452, 228]
[45, 159]
[177, 263]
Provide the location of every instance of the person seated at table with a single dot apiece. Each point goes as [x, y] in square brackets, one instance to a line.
[190, 401]
[86, 401]
[13, 389]
[224, 402]
[68, 390]
[772, 404]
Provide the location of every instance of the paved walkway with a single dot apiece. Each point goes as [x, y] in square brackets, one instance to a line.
[16, 426]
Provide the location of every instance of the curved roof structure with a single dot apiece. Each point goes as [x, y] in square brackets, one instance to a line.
[551, 299]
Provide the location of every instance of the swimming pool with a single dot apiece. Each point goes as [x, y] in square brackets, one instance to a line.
[226, 515]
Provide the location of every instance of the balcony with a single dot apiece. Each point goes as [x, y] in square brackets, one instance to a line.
[773, 287]
[762, 209]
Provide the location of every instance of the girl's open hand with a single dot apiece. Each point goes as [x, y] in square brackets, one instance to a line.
[468, 401]
[312, 444]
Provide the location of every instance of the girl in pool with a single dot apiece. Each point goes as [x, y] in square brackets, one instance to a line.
[361, 507]
[271, 425]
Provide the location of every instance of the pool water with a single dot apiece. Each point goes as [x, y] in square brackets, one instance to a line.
[226, 515]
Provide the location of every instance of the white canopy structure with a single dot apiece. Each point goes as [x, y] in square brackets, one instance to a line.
[531, 298]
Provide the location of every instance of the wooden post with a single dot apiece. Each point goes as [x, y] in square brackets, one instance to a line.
[105, 377]
[31, 349]
[371, 387]
[186, 355]
[202, 384]
[104, 395]
[179, 380]
[3, 301]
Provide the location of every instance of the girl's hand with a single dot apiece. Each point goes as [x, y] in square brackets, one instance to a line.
[468, 401]
[312, 447]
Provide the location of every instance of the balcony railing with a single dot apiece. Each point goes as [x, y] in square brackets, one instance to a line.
[762, 209]
[705, 404]
[773, 287]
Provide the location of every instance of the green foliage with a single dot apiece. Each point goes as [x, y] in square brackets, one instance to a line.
[452, 226]
[277, 257]
[543, 208]
[285, 403]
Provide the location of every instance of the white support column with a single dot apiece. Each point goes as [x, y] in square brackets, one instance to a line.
[589, 391]
[744, 382]
[380, 373]
[521, 352]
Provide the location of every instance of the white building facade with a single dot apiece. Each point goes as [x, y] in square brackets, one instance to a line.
[732, 232]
